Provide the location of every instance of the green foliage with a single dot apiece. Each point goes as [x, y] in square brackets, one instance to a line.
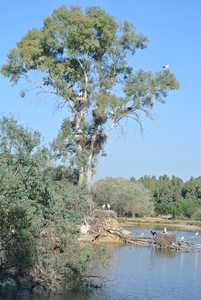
[192, 188]
[86, 55]
[40, 212]
[23, 188]
[174, 196]
[125, 197]
[185, 208]
[197, 214]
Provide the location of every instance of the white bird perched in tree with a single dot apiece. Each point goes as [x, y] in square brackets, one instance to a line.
[105, 90]
[103, 206]
[165, 66]
[43, 82]
[108, 206]
[165, 230]
[80, 93]
[112, 113]
[78, 131]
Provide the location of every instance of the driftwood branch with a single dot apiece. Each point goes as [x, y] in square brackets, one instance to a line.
[103, 225]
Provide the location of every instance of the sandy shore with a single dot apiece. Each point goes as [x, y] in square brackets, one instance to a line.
[180, 224]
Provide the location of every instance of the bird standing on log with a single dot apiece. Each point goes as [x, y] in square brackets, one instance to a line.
[165, 230]
[103, 206]
[153, 232]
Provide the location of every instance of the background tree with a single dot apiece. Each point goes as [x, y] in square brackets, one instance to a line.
[125, 197]
[83, 62]
[192, 188]
[174, 196]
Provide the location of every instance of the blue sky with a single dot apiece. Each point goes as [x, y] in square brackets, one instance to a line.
[172, 145]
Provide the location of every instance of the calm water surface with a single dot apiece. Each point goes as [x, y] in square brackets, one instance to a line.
[143, 273]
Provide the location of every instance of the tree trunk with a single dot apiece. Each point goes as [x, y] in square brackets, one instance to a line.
[81, 176]
[88, 178]
[81, 169]
[90, 158]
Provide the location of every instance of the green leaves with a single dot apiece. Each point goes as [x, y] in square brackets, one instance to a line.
[142, 87]
[130, 40]
[83, 60]
[125, 197]
[68, 36]
[40, 211]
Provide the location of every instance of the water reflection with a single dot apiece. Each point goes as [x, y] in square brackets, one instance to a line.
[141, 272]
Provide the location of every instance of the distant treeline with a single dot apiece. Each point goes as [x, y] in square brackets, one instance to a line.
[173, 196]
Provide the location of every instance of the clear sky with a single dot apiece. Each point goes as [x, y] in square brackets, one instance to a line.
[172, 145]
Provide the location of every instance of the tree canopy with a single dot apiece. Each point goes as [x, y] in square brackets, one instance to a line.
[173, 196]
[125, 197]
[83, 59]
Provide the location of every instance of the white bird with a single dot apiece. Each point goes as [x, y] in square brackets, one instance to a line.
[79, 131]
[112, 113]
[80, 93]
[166, 66]
[84, 228]
[103, 206]
[108, 206]
[197, 233]
[105, 90]
[43, 82]
[165, 230]
[142, 234]
[182, 238]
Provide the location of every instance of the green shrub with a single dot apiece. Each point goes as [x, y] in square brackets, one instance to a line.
[40, 217]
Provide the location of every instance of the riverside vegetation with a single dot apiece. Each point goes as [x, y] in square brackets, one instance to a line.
[42, 207]
[79, 60]
[40, 215]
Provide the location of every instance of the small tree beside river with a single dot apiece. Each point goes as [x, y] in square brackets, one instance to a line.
[125, 197]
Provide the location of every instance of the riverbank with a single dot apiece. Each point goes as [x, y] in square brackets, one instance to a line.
[180, 224]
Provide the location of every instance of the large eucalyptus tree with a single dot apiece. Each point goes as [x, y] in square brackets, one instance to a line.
[83, 61]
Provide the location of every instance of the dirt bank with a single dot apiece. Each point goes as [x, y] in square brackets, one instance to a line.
[180, 224]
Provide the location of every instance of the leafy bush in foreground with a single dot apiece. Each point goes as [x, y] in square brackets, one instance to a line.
[40, 217]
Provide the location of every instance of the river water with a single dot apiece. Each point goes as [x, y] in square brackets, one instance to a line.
[140, 272]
